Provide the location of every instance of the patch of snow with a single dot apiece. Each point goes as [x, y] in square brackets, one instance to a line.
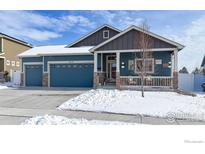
[59, 120]
[55, 50]
[159, 104]
[6, 85]
[3, 87]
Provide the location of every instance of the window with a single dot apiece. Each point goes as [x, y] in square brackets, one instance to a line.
[131, 64]
[106, 34]
[12, 63]
[17, 63]
[149, 65]
[8, 62]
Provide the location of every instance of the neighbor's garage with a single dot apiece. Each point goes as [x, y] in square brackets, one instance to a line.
[33, 76]
[71, 75]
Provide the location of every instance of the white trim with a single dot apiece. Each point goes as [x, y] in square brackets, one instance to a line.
[24, 70]
[108, 34]
[54, 54]
[16, 40]
[150, 72]
[137, 50]
[130, 86]
[101, 62]
[152, 77]
[175, 60]
[179, 46]
[2, 46]
[118, 62]
[30, 63]
[87, 35]
[95, 62]
[65, 62]
[145, 77]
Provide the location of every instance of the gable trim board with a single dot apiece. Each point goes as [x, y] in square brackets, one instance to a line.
[15, 40]
[89, 34]
[135, 50]
[179, 46]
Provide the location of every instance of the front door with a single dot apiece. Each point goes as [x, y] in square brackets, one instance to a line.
[111, 68]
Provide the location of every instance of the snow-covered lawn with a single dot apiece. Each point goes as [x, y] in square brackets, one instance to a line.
[159, 104]
[59, 120]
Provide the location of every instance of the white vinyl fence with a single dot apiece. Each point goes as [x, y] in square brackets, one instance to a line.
[191, 82]
[16, 78]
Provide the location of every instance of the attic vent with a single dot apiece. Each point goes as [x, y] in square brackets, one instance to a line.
[106, 34]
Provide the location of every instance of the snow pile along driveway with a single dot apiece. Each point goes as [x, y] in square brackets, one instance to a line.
[59, 120]
[3, 86]
[159, 104]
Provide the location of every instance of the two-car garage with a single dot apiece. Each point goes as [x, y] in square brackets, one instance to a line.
[71, 75]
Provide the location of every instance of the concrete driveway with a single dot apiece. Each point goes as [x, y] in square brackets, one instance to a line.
[31, 98]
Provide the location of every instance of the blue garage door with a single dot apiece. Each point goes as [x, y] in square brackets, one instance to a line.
[33, 75]
[71, 75]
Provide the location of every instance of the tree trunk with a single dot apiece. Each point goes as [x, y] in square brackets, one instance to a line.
[142, 85]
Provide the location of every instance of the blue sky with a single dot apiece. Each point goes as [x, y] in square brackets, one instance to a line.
[64, 27]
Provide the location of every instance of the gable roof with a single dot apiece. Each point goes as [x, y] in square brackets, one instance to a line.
[2, 35]
[89, 34]
[133, 27]
[203, 62]
[55, 50]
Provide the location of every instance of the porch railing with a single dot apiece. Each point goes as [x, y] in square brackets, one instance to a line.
[153, 81]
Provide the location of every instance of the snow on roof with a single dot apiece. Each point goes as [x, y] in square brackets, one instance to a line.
[55, 50]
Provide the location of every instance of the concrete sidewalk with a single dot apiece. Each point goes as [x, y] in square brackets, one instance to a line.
[20, 115]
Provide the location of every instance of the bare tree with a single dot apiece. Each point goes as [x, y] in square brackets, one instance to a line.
[145, 45]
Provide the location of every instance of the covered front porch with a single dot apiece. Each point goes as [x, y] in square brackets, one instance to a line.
[117, 69]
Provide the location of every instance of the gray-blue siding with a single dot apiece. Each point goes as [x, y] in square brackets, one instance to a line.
[159, 70]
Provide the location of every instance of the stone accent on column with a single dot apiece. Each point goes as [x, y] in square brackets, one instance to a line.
[175, 80]
[22, 80]
[95, 80]
[45, 79]
[118, 80]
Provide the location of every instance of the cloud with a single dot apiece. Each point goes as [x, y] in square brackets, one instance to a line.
[193, 37]
[120, 19]
[31, 25]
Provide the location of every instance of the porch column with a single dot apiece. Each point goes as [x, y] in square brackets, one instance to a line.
[96, 80]
[118, 70]
[175, 69]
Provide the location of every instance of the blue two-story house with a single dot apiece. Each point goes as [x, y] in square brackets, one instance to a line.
[105, 56]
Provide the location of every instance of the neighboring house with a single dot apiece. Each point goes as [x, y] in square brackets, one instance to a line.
[202, 70]
[184, 70]
[9, 49]
[106, 56]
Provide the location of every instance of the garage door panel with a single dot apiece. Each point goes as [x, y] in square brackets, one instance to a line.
[34, 74]
[71, 75]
